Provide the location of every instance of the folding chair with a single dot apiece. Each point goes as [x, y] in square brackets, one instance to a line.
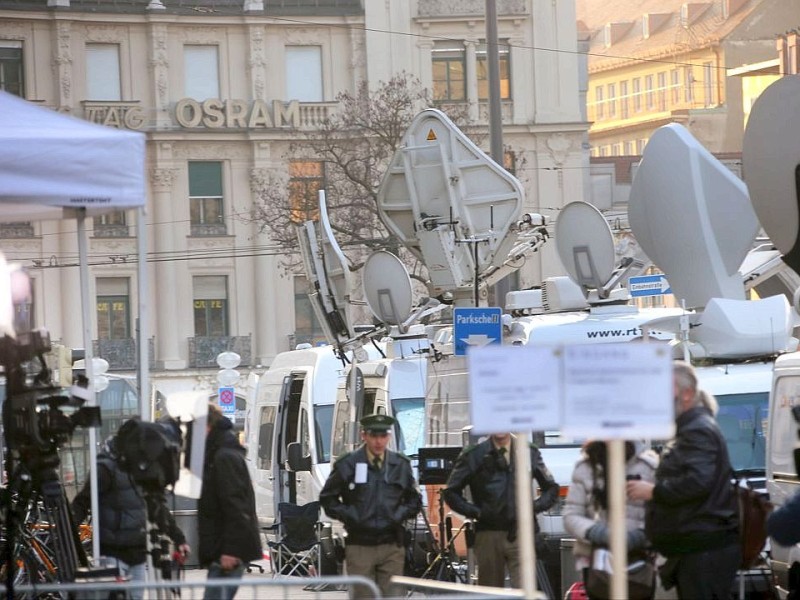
[296, 551]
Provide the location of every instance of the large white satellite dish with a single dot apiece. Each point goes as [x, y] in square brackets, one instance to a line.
[692, 217]
[770, 160]
[448, 202]
[387, 288]
[585, 245]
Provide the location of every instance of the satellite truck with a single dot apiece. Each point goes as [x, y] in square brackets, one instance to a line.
[461, 214]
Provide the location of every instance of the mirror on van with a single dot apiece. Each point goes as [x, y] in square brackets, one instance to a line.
[297, 462]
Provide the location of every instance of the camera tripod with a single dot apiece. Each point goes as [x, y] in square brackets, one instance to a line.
[441, 566]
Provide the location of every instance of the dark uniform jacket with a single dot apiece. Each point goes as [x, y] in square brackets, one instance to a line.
[491, 482]
[694, 506]
[227, 520]
[123, 514]
[372, 512]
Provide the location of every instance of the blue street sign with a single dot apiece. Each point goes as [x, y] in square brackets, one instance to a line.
[476, 327]
[649, 285]
[227, 401]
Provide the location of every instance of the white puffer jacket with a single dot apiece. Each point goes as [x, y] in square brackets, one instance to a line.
[579, 510]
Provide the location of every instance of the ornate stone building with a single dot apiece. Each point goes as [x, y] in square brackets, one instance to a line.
[222, 88]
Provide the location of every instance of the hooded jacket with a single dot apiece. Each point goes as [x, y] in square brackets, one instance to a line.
[581, 511]
[227, 508]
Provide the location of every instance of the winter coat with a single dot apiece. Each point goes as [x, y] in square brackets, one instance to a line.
[227, 519]
[694, 506]
[580, 510]
[372, 511]
[491, 483]
[123, 513]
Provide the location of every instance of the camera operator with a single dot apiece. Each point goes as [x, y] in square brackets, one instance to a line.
[122, 522]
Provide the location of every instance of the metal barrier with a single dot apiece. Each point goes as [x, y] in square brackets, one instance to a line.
[446, 590]
[250, 588]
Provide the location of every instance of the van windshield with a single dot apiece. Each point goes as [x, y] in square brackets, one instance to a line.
[323, 420]
[742, 419]
[410, 430]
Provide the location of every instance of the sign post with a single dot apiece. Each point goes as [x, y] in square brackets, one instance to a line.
[227, 402]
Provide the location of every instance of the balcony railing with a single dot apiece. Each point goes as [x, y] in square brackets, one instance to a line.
[16, 230]
[121, 354]
[208, 229]
[203, 351]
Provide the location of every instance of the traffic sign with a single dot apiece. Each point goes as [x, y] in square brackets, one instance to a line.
[476, 327]
[649, 285]
[227, 401]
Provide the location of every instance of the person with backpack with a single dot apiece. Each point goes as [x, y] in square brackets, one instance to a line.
[691, 512]
[124, 509]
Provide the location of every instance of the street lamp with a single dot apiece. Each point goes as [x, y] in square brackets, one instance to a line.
[228, 375]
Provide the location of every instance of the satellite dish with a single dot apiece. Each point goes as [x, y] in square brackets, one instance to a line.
[770, 159]
[387, 287]
[329, 278]
[442, 196]
[585, 244]
[692, 217]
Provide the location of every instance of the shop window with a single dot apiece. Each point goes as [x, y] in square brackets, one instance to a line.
[210, 306]
[113, 308]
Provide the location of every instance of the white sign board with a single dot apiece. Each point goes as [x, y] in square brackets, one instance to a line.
[514, 388]
[618, 391]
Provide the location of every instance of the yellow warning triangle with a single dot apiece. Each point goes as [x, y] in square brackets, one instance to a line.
[431, 136]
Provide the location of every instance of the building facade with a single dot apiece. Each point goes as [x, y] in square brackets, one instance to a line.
[655, 62]
[223, 90]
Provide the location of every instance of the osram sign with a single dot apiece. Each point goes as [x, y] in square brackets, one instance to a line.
[217, 114]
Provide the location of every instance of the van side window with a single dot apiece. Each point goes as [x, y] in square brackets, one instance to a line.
[265, 430]
[305, 442]
[339, 428]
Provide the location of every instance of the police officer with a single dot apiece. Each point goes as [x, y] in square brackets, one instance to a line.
[488, 470]
[372, 491]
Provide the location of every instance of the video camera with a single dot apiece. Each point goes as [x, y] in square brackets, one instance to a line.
[150, 452]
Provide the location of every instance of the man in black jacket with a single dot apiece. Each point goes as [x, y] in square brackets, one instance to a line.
[372, 491]
[228, 526]
[488, 470]
[691, 517]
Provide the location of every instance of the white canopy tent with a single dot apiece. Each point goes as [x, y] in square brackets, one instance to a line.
[54, 166]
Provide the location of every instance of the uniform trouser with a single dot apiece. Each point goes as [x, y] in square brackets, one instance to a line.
[708, 575]
[494, 553]
[379, 563]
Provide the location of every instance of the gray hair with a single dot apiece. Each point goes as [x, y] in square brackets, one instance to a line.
[686, 379]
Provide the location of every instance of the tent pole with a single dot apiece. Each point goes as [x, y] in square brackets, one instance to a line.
[83, 267]
[143, 347]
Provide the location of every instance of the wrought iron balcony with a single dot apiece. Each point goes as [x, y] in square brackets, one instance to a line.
[203, 351]
[448, 8]
[16, 230]
[121, 354]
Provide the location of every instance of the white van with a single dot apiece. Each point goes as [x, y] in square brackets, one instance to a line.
[288, 430]
[782, 440]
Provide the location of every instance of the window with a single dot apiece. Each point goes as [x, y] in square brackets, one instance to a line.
[648, 88]
[623, 99]
[708, 84]
[630, 148]
[616, 149]
[482, 69]
[201, 72]
[637, 94]
[612, 100]
[449, 82]
[675, 84]
[688, 82]
[11, 79]
[640, 144]
[111, 224]
[306, 179]
[598, 102]
[205, 198]
[266, 428]
[304, 73]
[306, 326]
[113, 308]
[102, 72]
[210, 306]
[662, 91]
[23, 314]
